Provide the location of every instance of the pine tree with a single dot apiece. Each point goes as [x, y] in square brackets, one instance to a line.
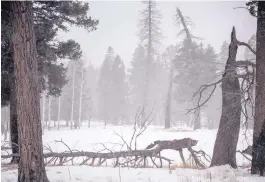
[106, 86]
[31, 164]
[222, 57]
[257, 9]
[119, 92]
[150, 35]
[90, 93]
[49, 49]
[66, 96]
[136, 79]
[158, 86]
[169, 57]
[197, 66]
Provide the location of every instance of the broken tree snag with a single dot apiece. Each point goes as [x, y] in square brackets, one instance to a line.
[227, 136]
[129, 158]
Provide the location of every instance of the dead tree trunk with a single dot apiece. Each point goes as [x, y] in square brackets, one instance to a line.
[31, 164]
[227, 136]
[133, 158]
[259, 117]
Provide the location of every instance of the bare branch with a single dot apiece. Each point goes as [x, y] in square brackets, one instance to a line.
[246, 45]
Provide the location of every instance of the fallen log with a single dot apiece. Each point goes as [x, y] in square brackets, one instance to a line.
[152, 151]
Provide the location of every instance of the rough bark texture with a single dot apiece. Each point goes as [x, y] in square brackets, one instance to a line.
[31, 164]
[259, 117]
[259, 160]
[227, 136]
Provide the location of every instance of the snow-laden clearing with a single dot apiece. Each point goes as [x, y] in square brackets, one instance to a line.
[107, 174]
[89, 139]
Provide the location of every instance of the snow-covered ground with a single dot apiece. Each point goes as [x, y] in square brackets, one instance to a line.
[91, 139]
[107, 174]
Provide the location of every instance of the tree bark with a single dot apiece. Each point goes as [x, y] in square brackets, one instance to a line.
[259, 117]
[31, 164]
[227, 136]
[43, 112]
[259, 161]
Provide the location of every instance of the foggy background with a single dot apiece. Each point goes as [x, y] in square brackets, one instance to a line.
[119, 21]
[88, 94]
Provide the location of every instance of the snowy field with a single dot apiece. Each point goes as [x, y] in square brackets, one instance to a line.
[91, 139]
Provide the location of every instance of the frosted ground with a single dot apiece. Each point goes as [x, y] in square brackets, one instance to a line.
[90, 139]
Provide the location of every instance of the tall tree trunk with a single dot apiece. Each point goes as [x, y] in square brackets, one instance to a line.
[13, 122]
[185, 27]
[80, 100]
[148, 62]
[259, 117]
[196, 116]
[168, 101]
[49, 113]
[197, 120]
[227, 136]
[59, 112]
[73, 97]
[31, 164]
[259, 160]
[43, 112]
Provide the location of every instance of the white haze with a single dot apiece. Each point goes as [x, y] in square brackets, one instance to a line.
[118, 26]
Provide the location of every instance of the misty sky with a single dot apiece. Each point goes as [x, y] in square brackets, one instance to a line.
[118, 26]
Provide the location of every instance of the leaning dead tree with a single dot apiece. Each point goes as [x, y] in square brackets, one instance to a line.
[185, 21]
[235, 97]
